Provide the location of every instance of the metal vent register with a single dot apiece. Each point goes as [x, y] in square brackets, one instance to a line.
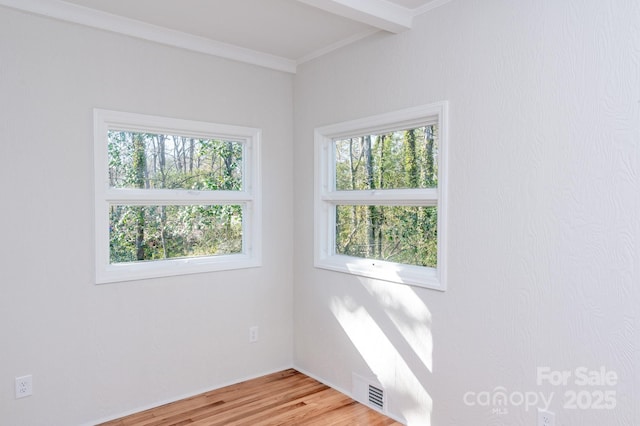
[376, 397]
[368, 391]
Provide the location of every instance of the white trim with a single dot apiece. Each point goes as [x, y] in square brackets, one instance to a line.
[188, 395]
[190, 128]
[235, 382]
[380, 14]
[349, 394]
[413, 197]
[429, 6]
[377, 13]
[249, 198]
[339, 45]
[106, 21]
[327, 197]
[154, 197]
[387, 122]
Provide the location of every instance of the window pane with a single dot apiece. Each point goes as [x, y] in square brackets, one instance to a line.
[402, 234]
[158, 161]
[141, 233]
[401, 159]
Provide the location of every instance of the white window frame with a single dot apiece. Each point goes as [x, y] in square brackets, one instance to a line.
[327, 197]
[249, 198]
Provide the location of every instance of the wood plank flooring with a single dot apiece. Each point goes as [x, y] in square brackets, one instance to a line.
[284, 398]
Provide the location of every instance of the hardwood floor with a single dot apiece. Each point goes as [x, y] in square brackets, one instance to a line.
[284, 398]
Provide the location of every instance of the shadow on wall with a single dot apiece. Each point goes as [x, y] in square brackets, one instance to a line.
[390, 326]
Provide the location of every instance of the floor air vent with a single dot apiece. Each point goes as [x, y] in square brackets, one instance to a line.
[376, 397]
[369, 392]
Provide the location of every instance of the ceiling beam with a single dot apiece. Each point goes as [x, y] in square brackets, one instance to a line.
[381, 14]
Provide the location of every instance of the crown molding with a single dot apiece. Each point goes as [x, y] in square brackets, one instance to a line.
[335, 46]
[380, 14]
[429, 6]
[106, 21]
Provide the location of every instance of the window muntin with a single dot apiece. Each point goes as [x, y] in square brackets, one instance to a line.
[381, 196]
[174, 196]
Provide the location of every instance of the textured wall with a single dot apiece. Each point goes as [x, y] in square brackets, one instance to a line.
[544, 199]
[99, 351]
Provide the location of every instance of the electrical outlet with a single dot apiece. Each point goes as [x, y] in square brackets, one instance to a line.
[253, 334]
[24, 386]
[546, 418]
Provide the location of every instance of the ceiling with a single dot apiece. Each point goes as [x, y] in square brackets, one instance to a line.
[278, 34]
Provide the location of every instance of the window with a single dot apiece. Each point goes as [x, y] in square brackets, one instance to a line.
[380, 196]
[174, 196]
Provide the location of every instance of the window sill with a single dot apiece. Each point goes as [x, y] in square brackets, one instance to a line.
[417, 276]
[172, 267]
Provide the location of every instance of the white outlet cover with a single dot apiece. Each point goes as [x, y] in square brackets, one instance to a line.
[546, 418]
[24, 386]
[253, 334]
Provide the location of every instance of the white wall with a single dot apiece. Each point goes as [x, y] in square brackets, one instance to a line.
[544, 234]
[544, 200]
[99, 351]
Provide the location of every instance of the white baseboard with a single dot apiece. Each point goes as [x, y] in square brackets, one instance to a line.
[349, 393]
[184, 396]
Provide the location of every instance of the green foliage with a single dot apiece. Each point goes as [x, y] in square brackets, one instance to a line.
[174, 231]
[401, 159]
[157, 161]
[396, 160]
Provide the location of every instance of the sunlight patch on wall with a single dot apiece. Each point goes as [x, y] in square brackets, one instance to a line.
[410, 316]
[407, 397]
